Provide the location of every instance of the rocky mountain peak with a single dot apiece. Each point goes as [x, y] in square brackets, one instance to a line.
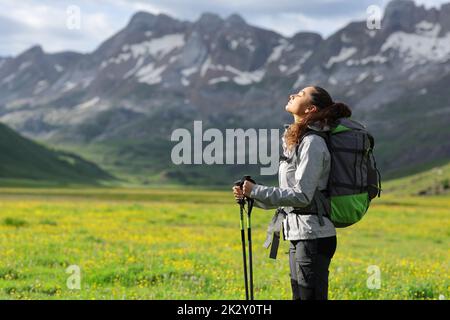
[236, 19]
[399, 7]
[33, 52]
[307, 39]
[142, 18]
[147, 21]
[209, 17]
[209, 21]
[402, 15]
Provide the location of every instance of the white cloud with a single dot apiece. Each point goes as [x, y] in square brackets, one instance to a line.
[135, 5]
[27, 22]
[290, 23]
[46, 24]
[432, 3]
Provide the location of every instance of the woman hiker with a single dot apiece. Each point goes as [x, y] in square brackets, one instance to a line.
[311, 234]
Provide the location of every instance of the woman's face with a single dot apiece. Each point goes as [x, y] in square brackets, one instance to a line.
[300, 103]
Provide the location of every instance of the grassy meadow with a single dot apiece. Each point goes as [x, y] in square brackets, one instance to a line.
[185, 244]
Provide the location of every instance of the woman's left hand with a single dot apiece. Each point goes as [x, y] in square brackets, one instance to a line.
[247, 188]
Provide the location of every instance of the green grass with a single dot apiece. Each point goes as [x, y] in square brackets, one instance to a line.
[174, 243]
[9, 221]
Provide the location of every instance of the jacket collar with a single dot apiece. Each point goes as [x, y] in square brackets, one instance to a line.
[316, 126]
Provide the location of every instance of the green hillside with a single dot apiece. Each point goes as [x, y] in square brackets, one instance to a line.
[24, 161]
[435, 181]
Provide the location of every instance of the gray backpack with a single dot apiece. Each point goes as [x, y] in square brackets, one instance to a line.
[354, 178]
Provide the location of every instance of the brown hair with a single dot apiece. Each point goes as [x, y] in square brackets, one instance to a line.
[327, 114]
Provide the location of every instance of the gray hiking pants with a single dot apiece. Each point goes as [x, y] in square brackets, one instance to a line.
[309, 261]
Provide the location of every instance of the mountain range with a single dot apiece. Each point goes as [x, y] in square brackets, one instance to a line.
[119, 104]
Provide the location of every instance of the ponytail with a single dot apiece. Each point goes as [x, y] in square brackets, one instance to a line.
[335, 111]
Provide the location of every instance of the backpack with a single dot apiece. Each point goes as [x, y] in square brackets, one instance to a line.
[354, 178]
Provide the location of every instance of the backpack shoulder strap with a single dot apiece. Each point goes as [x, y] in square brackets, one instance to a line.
[324, 134]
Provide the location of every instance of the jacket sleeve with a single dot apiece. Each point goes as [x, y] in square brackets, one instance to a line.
[262, 205]
[310, 163]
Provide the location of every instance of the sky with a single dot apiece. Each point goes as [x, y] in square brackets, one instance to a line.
[51, 23]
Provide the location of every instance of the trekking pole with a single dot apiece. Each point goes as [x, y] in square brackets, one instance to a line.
[241, 205]
[250, 202]
[249, 233]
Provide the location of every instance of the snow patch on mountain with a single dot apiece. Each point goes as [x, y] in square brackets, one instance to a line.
[87, 81]
[423, 91]
[370, 59]
[234, 44]
[189, 71]
[428, 29]
[25, 65]
[301, 78]
[185, 82]
[149, 74]
[76, 115]
[157, 47]
[277, 51]
[219, 79]
[345, 38]
[88, 104]
[122, 57]
[246, 77]
[205, 66]
[40, 86]
[332, 80]
[371, 33]
[378, 78]
[343, 55]
[300, 62]
[9, 78]
[186, 74]
[241, 77]
[136, 67]
[15, 118]
[58, 68]
[362, 77]
[415, 48]
[248, 43]
[69, 85]
[173, 59]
